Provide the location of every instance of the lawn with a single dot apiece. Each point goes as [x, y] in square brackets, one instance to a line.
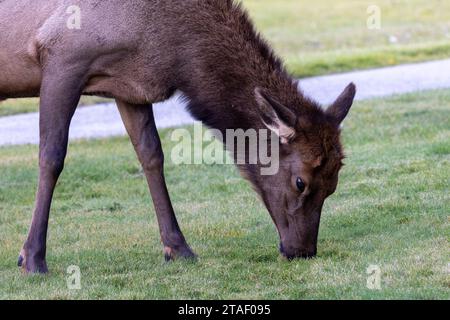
[391, 210]
[17, 106]
[327, 36]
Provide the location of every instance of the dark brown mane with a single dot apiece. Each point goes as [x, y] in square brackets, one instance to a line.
[233, 22]
[229, 60]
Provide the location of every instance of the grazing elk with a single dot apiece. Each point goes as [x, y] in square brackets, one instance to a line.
[140, 52]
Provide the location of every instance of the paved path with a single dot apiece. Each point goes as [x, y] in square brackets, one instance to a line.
[104, 121]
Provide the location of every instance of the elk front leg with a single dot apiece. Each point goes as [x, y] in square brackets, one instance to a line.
[58, 100]
[140, 124]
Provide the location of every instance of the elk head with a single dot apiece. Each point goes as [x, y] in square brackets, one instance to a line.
[310, 158]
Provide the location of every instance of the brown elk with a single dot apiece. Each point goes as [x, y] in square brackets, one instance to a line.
[140, 52]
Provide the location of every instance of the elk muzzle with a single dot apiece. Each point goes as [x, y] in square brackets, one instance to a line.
[299, 240]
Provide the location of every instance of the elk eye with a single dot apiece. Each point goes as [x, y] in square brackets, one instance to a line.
[300, 185]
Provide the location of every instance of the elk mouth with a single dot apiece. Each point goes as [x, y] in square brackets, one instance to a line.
[296, 254]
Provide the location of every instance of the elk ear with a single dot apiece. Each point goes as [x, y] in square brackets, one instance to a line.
[340, 108]
[276, 116]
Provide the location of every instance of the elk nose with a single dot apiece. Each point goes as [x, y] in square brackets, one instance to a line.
[282, 249]
[291, 255]
[306, 255]
[300, 255]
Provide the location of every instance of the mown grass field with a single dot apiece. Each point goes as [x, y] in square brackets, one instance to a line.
[391, 210]
[326, 36]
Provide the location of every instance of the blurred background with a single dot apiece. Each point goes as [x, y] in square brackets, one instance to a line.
[325, 36]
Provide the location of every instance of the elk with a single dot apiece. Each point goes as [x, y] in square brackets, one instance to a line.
[140, 52]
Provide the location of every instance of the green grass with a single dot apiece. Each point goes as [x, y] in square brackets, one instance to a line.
[327, 36]
[391, 209]
[18, 106]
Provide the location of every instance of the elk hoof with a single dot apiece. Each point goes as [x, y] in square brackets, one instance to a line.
[31, 267]
[183, 252]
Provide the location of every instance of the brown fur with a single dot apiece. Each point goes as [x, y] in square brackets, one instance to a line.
[142, 51]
